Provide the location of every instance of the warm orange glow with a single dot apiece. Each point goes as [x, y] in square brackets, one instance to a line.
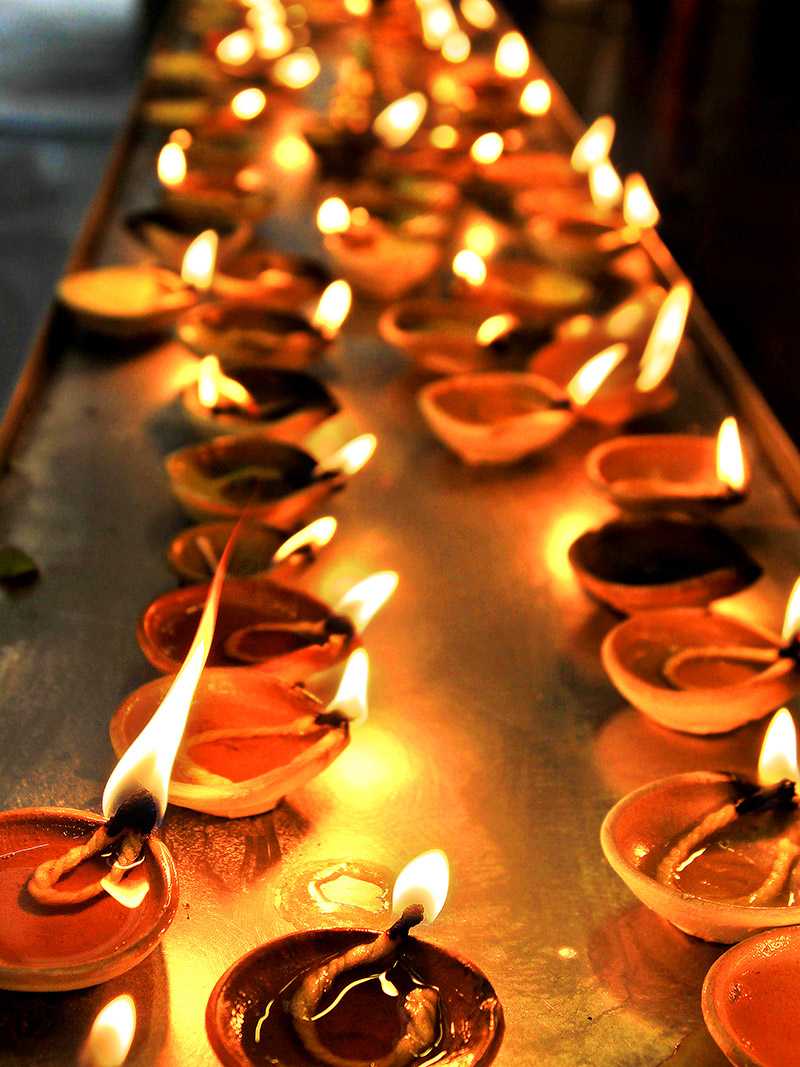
[487, 148]
[469, 266]
[662, 344]
[274, 40]
[398, 122]
[351, 696]
[605, 186]
[317, 534]
[582, 387]
[536, 98]
[181, 137]
[791, 620]
[481, 239]
[351, 457]
[444, 137]
[778, 759]
[478, 13]
[333, 215]
[496, 326]
[444, 89]
[112, 1033]
[512, 57]
[248, 104]
[456, 47]
[332, 309]
[595, 144]
[638, 207]
[237, 48]
[425, 881]
[171, 164]
[297, 69]
[731, 467]
[213, 384]
[438, 21]
[199, 260]
[358, 8]
[291, 152]
[366, 597]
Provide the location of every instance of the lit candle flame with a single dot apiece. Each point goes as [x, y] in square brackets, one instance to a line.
[171, 164]
[200, 259]
[212, 384]
[778, 759]
[316, 534]
[248, 104]
[536, 97]
[604, 185]
[400, 120]
[237, 48]
[495, 326]
[469, 266]
[638, 206]
[662, 344]
[438, 21]
[111, 1036]
[512, 57]
[791, 620]
[456, 47]
[595, 144]
[333, 215]
[487, 148]
[478, 13]
[731, 467]
[332, 309]
[351, 696]
[350, 457]
[297, 69]
[583, 386]
[366, 597]
[424, 881]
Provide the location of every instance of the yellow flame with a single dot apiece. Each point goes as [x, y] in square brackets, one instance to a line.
[200, 259]
[487, 148]
[248, 179]
[398, 122]
[425, 880]
[444, 89]
[456, 47]
[297, 69]
[350, 457]
[582, 387]
[358, 8]
[237, 48]
[291, 152]
[274, 40]
[469, 266]
[604, 185]
[495, 326]
[212, 384]
[181, 137]
[512, 58]
[638, 206]
[112, 1033]
[351, 696]
[481, 238]
[662, 344]
[478, 13]
[248, 104]
[731, 467]
[171, 164]
[536, 97]
[317, 534]
[444, 137]
[595, 144]
[366, 597]
[333, 215]
[438, 21]
[778, 759]
[791, 620]
[333, 308]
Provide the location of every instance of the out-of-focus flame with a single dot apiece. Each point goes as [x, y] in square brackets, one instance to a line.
[478, 13]
[332, 309]
[316, 534]
[582, 387]
[333, 215]
[181, 137]
[487, 148]
[237, 48]
[200, 259]
[731, 467]
[536, 97]
[213, 384]
[424, 881]
[291, 152]
[438, 21]
[358, 8]
[351, 696]
[443, 137]
[512, 58]
[604, 185]
[444, 89]
[456, 47]
[248, 104]
[171, 164]
[791, 620]
[662, 344]
[111, 1036]
[274, 40]
[366, 597]
[469, 266]
[400, 120]
[480, 238]
[350, 457]
[248, 179]
[495, 326]
[298, 69]
[595, 144]
[638, 206]
[778, 759]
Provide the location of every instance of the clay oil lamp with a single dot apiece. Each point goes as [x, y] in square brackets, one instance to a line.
[714, 853]
[282, 279]
[349, 997]
[671, 472]
[289, 633]
[702, 671]
[111, 1035]
[249, 332]
[168, 231]
[273, 482]
[502, 416]
[244, 193]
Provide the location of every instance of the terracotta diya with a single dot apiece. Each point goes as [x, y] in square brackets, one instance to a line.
[348, 998]
[523, 287]
[713, 853]
[125, 302]
[168, 232]
[284, 280]
[245, 193]
[640, 563]
[583, 241]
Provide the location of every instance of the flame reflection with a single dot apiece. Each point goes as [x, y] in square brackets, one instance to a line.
[365, 598]
[112, 1033]
[351, 696]
[791, 619]
[317, 534]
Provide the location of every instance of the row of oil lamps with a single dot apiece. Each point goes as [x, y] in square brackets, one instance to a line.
[428, 173]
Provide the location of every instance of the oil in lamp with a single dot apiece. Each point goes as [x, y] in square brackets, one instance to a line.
[712, 852]
[703, 671]
[348, 998]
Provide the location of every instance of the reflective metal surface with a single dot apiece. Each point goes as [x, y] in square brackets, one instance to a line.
[494, 733]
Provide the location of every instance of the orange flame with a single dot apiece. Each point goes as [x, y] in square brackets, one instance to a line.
[604, 185]
[351, 457]
[237, 48]
[171, 164]
[200, 259]
[791, 620]
[582, 387]
[248, 104]
[333, 215]
[662, 344]
[332, 309]
[212, 384]
[298, 69]
[425, 880]
[512, 58]
[595, 144]
[456, 47]
[731, 466]
[111, 1036]
[778, 759]
[638, 206]
[398, 122]
[469, 266]
[351, 696]
[478, 13]
[366, 597]
[536, 97]
[487, 148]
[316, 534]
[495, 326]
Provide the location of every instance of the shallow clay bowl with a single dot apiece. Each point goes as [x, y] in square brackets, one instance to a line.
[637, 564]
[533, 291]
[224, 765]
[125, 302]
[750, 998]
[384, 262]
[168, 232]
[284, 280]
[255, 546]
[290, 405]
[288, 633]
[582, 241]
[273, 482]
[664, 472]
[495, 417]
[473, 1016]
[44, 949]
[637, 833]
[720, 694]
[218, 189]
